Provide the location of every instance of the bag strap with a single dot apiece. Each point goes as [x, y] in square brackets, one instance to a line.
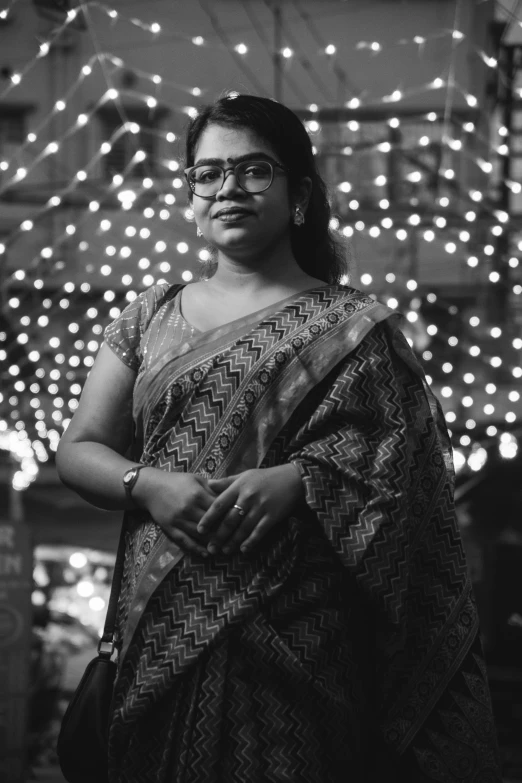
[107, 644]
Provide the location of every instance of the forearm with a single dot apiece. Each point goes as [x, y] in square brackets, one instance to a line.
[290, 474]
[95, 472]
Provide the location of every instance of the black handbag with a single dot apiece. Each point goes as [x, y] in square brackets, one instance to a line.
[83, 740]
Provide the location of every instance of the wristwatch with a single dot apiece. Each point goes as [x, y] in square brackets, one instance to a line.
[130, 477]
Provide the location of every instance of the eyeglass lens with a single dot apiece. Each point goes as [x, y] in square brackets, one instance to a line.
[252, 176]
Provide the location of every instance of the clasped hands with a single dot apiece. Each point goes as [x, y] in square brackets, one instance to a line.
[201, 515]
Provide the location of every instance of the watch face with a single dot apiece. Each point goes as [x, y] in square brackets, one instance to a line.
[127, 479]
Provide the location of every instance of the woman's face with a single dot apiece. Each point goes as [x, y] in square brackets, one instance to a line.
[237, 223]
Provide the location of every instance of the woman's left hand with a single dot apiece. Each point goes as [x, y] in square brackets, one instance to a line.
[266, 496]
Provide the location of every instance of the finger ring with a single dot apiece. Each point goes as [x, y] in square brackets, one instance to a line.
[240, 510]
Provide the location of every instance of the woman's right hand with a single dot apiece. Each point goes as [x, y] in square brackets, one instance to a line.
[176, 502]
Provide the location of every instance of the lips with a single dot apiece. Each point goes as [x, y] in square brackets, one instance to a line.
[231, 213]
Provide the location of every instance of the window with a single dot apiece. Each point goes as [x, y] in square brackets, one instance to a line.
[401, 159]
[13, 128]
[12, 125]
[126, 144]
[56, 11]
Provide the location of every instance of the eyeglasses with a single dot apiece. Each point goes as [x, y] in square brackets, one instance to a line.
[252, 176]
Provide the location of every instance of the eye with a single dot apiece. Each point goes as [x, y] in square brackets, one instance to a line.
[206, 174]
[256, 170]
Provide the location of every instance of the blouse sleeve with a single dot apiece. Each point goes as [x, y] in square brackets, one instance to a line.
[125, 333]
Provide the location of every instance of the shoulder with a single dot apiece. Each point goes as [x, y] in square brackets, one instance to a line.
[124, 333]
[140, 309]
[380, 327]
[356, 304]
[353, 293]
[149, 300]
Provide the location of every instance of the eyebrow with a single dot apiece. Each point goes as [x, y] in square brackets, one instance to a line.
[239, 159]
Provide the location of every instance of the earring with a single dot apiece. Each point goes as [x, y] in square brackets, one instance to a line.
[299, 217]
[199, 232]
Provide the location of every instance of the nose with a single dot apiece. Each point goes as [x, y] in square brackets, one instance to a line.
[230, 185]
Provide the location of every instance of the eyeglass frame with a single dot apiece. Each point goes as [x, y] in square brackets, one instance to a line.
[272, 163]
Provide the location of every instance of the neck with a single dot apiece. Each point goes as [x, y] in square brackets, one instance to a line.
[253, 273]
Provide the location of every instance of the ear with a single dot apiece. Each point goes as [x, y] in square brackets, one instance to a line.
[302, 194]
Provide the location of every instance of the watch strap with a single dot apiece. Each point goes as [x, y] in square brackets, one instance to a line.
[128, 485]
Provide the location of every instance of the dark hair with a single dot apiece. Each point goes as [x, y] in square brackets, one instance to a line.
[317, 251]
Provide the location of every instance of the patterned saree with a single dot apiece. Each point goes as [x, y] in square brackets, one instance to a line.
[345, 648]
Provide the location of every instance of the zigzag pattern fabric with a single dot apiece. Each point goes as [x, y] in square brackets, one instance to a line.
[346, 647]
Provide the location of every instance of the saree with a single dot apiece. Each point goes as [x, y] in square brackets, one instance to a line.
[346, 646]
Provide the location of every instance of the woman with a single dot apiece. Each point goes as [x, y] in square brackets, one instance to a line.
[295, 604]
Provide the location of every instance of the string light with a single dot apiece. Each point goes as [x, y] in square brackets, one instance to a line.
[367, 225]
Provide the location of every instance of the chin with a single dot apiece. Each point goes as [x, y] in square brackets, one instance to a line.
[236, 238]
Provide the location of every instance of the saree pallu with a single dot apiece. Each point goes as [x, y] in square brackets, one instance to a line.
[346, 646]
